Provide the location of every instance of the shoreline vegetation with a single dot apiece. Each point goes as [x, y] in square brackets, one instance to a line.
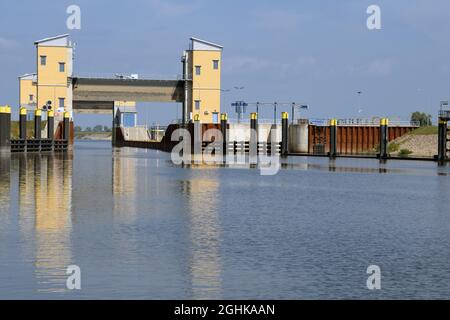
[99, 132]
[103, 136]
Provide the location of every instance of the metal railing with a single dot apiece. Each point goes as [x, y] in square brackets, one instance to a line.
[364, 122]
[260, 121]
[127, 76]
[444, 114]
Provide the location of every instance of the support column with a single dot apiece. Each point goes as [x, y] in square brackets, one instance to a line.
[442, 143]
[384, 123]
[50, 125]
[5, 130]
[253, 147]
[37, 124]
[284, 134]
[333, 138]
[223, 129]
[113, 134]
[66, 126]
[23, 123]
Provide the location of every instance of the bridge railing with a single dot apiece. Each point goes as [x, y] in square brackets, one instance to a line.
[260, 121]
[127, 76]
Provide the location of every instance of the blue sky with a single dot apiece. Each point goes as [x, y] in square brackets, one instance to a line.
[317, 52]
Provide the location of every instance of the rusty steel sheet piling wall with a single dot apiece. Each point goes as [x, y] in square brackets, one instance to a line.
[350, 139]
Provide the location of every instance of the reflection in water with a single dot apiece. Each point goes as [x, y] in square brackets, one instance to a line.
[124, 185]
[204, 235]
[158, 231]
[5, 169]
[339, 165]
[45, 190]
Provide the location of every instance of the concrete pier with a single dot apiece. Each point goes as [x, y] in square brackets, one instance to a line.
[298, 137]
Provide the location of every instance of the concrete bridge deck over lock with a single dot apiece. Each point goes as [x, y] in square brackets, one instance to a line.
[97, 95]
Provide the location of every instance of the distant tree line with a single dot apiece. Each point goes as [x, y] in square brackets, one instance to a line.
[423, 118]
[97, 128]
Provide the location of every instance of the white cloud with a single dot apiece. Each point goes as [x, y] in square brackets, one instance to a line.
[381, 67]
[248, 65]
[275, 20]
[7, 43]
[171, 8]
[245, 63]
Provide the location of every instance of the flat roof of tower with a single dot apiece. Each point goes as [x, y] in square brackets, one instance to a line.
[52, 38]
[28, 76]
[207, 43]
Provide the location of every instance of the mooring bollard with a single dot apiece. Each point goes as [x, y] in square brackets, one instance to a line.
[284, 133]
[197, 139]
[50, 125]
[66, 126]
[253, 147]
[37, 124]
[223, 129]
[384, 123]
[442, 142]
[333, 138]
[5, 129]
[23, 123]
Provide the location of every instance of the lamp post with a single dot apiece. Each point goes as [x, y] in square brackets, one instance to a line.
[294, 105]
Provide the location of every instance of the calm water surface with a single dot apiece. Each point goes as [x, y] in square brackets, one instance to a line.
[140, 227]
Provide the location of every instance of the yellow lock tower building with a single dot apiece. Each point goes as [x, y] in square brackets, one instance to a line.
[202, 72]
[51, 86]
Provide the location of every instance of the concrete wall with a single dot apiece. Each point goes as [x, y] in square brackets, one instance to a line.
[136, 134]
[241, 132]
[298, 138]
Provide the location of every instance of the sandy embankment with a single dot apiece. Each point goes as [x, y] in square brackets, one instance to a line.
[420, 145]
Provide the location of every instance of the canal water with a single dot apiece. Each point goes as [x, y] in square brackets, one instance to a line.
[140, 227]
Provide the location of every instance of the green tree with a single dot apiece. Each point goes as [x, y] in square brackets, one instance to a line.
[78, 129]
[98, 128]
[88, 129]
[421, 117]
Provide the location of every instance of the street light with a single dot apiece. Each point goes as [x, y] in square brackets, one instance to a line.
[240, 108]
[294, 105]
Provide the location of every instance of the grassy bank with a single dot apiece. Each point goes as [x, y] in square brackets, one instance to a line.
[425, 130]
